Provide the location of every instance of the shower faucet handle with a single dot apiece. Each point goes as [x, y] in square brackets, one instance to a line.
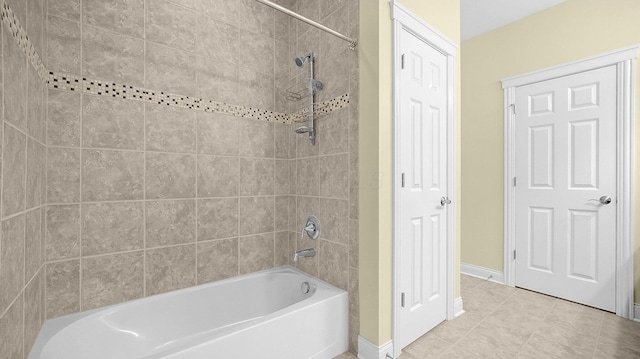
[312, 227]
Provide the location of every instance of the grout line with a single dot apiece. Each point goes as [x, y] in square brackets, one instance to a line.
[196, 224]
[23, 285]
[275, 208]
[144, 211]
[595, 347]
[238, 140]
[2, 147]
[45, 195]
[182, 199]
[533, 332]
[24, 132]
[26, 175]
[177, 153]
[144, 156]
[487, 316]
[81, 114]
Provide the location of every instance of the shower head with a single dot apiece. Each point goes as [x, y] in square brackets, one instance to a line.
[300, 60]
[310, 130]
[304, 129]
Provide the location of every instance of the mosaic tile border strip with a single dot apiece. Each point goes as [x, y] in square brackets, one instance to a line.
[127, 92]
[12, 24]
[321, 108]
[112, 89]
[97, 87]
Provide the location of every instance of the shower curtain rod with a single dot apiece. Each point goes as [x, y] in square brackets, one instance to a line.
[352, 42]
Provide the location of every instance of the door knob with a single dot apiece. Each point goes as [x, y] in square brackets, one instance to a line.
[444, 200]
[603, 199]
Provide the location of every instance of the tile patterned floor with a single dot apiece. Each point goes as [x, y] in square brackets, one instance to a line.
[506, 322]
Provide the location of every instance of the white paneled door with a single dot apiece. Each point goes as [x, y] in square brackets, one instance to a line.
[565, 187]
[423, 196]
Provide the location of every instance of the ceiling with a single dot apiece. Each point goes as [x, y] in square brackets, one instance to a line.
[480, 16]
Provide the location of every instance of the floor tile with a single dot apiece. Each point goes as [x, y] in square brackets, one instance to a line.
[346, 355]
[454, 330]
[506, 322]
[428, 346]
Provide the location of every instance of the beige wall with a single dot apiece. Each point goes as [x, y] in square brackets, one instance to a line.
[570, 31]
[376, 154]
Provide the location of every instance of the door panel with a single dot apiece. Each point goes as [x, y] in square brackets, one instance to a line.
[541, 156]
[566, 149]
[423, 160]
[541, 239]
[583, 241]
[583, 156]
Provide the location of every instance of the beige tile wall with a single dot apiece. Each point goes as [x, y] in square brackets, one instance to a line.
[144, 198]
[324, 178]
[22, 179]
[148, 201]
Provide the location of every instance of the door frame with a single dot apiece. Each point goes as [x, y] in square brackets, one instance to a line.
[624, 60]
[404, 20]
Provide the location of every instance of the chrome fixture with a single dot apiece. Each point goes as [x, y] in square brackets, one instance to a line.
[312, 86]
[444, 200]
[309, 252]
[602, 200]
[307, 287]
[352, 42]
[303, 129]
[312, 227]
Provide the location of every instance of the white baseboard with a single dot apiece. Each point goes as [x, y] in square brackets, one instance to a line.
[636, 312]
[368, 350]
[482, 273]
[458, 310]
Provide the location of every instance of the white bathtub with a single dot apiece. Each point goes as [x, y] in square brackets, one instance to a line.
[258, 315]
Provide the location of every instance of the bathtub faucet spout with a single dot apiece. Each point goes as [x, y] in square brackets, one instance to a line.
[309, 252]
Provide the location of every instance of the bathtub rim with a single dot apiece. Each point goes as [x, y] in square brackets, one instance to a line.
[324, 291]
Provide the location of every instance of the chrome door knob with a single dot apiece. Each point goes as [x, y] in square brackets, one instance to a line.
[444, 200]
[602, 200]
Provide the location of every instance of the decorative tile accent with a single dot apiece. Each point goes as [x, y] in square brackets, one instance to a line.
[75, 83]
[18, 32]
[97, 87]
[321, 108]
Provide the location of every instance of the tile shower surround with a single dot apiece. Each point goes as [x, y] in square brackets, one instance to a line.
[22, 181]
[149, 244]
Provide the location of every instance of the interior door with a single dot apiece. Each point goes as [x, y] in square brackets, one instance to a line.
[565, 187]
[423, 196]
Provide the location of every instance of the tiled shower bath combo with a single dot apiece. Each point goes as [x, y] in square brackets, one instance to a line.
[148, 146]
